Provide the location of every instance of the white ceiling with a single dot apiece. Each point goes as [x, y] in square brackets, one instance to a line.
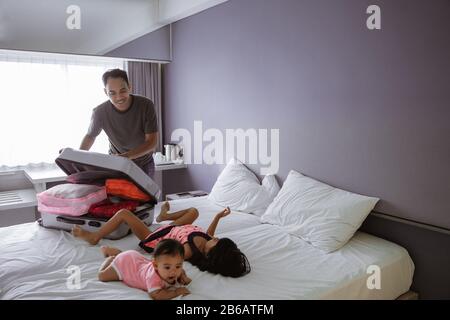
[105, 24]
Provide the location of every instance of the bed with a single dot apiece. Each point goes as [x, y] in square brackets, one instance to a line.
[37, 263]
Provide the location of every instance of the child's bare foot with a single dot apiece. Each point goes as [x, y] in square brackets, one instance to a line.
[85, 235]
[163, 214]
[109, 251]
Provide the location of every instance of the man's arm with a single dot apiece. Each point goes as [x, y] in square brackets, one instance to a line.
[151, 140]
[87, 142]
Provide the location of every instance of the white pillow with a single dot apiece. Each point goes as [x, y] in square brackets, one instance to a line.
[239, 188]
[322, 215]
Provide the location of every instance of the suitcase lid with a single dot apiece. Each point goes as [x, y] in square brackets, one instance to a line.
[73, 161]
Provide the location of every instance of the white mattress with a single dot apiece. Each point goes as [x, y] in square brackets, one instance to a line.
[34, 264]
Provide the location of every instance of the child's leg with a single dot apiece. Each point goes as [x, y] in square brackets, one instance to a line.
[107, 272]
[109, 251]
[136, 225]
[179, 218]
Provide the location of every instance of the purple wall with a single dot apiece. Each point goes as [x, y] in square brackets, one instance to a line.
[366, 111]
[152, 46]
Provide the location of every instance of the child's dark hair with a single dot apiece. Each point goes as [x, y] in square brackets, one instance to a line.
[224, 258]
[170, 247]
[115, 73]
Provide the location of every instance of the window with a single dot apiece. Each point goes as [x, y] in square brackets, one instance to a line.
[46, 104]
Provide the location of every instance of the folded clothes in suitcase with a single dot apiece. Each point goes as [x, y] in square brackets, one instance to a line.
[76, 161]
[70, 199]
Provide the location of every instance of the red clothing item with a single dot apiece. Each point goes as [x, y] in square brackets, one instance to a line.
[106, 208]
[125, 189]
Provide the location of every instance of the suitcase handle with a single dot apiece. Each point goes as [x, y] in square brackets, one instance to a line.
[68, 220]
[144, 216]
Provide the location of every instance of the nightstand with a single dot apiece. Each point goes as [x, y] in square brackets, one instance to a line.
[186, 195]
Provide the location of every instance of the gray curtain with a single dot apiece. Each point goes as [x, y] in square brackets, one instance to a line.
[145, 79]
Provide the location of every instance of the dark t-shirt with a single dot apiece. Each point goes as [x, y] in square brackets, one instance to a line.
[125, 130]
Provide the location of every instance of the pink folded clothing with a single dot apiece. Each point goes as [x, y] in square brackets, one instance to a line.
[106, 208]
[70, 199]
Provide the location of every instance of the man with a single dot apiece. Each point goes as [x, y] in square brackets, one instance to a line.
[129, 122]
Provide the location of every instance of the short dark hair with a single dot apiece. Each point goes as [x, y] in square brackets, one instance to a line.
[170, 247]
[115, 73]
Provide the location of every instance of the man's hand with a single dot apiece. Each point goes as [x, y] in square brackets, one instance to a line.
[146, 147]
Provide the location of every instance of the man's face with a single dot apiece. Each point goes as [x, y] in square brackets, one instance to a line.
[118, 92]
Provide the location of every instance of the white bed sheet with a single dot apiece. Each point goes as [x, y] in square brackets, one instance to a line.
[34, 264]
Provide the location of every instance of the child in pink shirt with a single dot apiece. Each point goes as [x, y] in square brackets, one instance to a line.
[163, 277]
[202, 249]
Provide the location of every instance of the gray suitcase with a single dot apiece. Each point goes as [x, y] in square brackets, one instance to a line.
[73, 161]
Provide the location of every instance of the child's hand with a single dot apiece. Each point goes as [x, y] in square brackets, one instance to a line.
[224, 212]
[182, 291]
[184, 279]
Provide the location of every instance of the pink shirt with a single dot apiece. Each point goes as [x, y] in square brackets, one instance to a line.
[137, 271]
[179, 233]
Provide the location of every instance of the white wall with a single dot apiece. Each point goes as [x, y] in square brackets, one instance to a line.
[173, 10]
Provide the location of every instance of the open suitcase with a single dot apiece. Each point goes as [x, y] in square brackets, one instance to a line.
[73, 161]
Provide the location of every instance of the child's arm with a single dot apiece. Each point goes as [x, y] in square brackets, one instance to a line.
[212, 227]
[166, 294]
[184, 279]
[109, 251]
